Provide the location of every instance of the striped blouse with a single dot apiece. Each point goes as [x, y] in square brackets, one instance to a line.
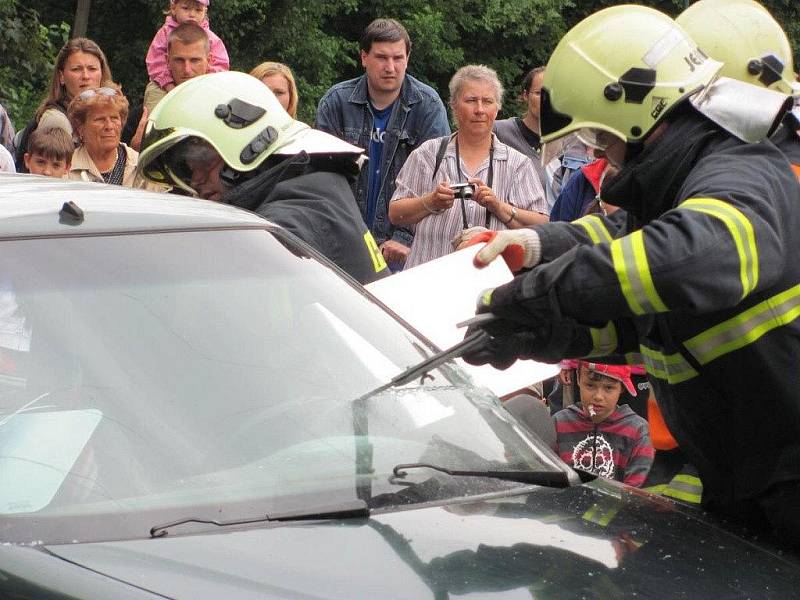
[514, 181]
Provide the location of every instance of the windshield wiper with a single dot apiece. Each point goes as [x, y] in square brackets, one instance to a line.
[354, 510]
[546, 478]
[473, 342]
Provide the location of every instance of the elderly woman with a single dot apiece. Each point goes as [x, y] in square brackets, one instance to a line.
[97, 115]
[505, 192]
[279, 79]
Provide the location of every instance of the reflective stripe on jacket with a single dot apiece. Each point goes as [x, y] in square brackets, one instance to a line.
[706, 291]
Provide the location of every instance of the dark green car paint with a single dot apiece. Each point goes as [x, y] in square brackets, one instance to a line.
[598, 540]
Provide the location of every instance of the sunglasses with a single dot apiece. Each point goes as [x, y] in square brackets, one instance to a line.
[103, 91]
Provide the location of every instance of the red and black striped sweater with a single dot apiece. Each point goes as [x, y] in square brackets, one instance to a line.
[618, 447]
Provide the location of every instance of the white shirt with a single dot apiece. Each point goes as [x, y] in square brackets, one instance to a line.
[514, 181]
[6, 161]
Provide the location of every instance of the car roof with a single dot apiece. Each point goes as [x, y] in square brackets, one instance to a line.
[31, 205]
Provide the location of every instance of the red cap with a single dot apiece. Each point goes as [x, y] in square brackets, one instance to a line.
[621, 373]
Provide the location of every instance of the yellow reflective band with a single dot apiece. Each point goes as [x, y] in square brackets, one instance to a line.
[685, 487]
[679, 495]
[741, 231]
[595, 228]
[688, 480]
[486, 297]
[672, 368]
[630, 263]
[604, 340]
[634, 358]
[601, 515]
[747, 327]
[378, 263]
[656, 489]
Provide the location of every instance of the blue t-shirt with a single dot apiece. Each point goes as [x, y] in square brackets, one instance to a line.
[380, 119]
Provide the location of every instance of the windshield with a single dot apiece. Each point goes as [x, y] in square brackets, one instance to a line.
[148, 377]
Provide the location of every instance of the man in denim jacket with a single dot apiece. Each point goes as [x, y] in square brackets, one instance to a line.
[389, 114]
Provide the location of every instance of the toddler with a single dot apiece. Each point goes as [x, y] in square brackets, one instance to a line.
[49, 152]
[180, 12]
[599, 436]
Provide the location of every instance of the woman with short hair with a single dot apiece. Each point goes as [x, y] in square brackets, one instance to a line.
[97, 115]
[505, 192]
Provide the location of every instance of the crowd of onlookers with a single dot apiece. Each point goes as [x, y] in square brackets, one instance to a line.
[424, 192]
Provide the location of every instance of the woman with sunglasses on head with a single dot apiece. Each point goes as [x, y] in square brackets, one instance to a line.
[504, 191]
[97, 115]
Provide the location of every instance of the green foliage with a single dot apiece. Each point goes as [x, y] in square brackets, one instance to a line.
[318, 40]
[28, 49]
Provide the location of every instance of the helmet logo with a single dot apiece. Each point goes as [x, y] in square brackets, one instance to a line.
[660, 105]
[695, 59]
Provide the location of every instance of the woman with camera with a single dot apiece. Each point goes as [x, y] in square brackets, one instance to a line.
[468, 180]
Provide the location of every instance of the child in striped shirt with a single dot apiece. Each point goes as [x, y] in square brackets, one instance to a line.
[599, 436]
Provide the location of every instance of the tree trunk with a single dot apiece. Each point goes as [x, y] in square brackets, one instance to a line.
[81, 18]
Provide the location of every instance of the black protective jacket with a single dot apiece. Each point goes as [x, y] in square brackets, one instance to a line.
[701, 284]
[310, 196]
[787, 139]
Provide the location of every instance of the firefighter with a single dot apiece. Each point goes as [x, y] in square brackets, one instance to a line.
[754, 48]
[225, 137]
[701, 283]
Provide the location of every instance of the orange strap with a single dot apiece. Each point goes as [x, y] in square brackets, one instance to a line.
[659, 433]
[796, 169]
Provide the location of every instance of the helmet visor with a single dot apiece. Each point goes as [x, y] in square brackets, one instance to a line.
[598, 139]
[191, 165]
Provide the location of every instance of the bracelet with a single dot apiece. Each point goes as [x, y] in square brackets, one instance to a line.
[513, 215]
[429, 209]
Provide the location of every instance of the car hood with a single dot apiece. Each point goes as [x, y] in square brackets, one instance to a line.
[597, 540]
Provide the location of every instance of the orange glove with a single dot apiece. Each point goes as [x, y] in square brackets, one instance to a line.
[520, 248]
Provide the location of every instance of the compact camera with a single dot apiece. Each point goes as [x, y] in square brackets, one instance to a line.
[465, 191]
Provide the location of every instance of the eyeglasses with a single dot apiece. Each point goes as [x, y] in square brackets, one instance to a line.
[103, 91]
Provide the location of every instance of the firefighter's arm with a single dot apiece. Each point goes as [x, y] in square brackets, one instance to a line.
[525, 248]
[536, 329]
[557, 238]
[705, 255]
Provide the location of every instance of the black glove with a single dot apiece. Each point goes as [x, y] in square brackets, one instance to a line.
[534, 329]
[502, 349]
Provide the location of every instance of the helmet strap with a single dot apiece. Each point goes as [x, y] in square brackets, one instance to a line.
[230, 176]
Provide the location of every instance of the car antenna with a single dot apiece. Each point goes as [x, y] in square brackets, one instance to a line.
[70, 214]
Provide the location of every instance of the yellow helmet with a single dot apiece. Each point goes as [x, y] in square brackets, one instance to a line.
[229, 114]
[620, 71]
[743, 35]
